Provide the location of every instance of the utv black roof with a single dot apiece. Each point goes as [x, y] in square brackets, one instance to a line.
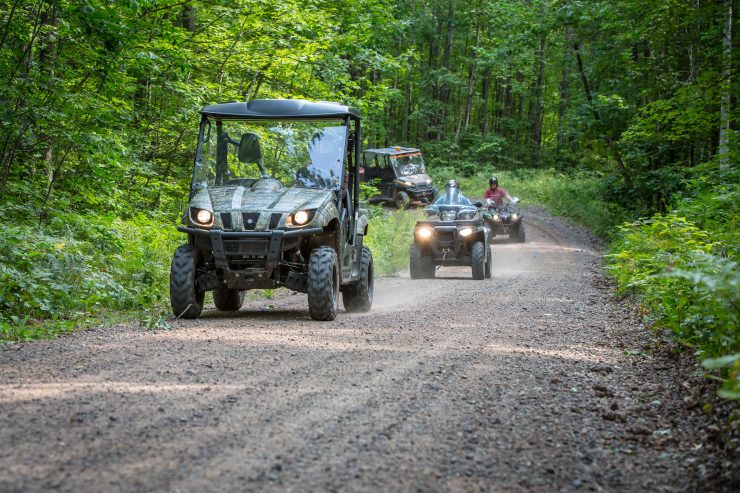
[269, 109]
[393, 151]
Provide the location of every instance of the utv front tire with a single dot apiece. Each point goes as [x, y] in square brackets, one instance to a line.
[358, 296]
[323, 284]
[402, 200]
[420, 265]
[186, 299]
[228, 300]
[478, 260]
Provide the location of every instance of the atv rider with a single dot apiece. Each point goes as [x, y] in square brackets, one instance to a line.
[453, 195]
[495, 194]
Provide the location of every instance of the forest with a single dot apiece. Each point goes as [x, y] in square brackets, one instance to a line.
[619, 114]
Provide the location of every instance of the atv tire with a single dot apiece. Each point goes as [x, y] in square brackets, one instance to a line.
[420, 265]
[517, 234]
[478, 260]
[489, 261]
[228, 300]
[323, 283]
[186, 299]
[358, 296]
[402, 200]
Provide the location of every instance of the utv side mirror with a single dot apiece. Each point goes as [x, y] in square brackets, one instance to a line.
[249, 148]
[478, 204]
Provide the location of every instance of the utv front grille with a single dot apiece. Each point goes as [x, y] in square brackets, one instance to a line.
[250, 219]
[226, 220]
[245, 253]
[275, 220]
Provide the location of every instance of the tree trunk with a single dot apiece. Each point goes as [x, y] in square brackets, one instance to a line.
[485, 95]
[726, 101]
[564, 90]
[537, 107]
[187, 18]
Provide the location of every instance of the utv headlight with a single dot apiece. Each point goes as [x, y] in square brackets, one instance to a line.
[201, 217]
[466, 231]
[424, 233]
[300, 218]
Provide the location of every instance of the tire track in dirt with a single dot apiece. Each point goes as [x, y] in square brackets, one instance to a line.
[519, 382]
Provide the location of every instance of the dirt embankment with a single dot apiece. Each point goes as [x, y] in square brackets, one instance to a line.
[534, 380]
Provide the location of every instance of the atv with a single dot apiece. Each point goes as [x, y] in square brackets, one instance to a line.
[400, 175]
[454, 233]
[506, 219]
[274, 201]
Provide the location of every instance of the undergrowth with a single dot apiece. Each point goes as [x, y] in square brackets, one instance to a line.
[683, 267]
[59, 275]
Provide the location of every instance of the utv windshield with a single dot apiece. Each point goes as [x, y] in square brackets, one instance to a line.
[302, 153]
[408, 164]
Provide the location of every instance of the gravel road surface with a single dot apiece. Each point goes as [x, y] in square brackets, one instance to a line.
[535, 380]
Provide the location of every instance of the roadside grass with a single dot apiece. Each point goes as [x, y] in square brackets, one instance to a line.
[683, 268]
[390, 234]
[76, 270]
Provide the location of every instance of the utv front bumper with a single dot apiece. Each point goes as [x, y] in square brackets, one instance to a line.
[423, 195]
[246, 259]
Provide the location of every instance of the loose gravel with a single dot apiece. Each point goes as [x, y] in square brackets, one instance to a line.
[535, 380]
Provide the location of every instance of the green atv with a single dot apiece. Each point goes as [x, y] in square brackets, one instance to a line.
[274, 201]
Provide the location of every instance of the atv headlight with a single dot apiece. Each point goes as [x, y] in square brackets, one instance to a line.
[424, 233]
[300, 218]
[515, 216]
[429, 181]
[408, 184]
[496, 217]
[201, 217]
[466, 231]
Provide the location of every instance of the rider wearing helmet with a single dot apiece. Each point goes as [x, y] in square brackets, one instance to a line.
[496, 194]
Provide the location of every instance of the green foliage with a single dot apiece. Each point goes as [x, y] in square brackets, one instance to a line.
[389, 237]
[684, 285]
[730, 366]
[54, 277]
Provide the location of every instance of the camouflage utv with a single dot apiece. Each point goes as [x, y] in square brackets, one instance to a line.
[274, 201]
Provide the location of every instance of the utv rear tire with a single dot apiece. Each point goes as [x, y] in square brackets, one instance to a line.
[228, 300]
[323, 284]
[358, 296]
[420, 265]
[478, 257]
[186, 299]
[402, 200]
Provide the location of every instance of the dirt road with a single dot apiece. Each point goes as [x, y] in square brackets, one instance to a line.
[532, 381]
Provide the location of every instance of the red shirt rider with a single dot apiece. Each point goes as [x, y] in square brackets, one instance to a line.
[497, 194]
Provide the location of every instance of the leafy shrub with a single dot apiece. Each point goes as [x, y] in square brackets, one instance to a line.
[683, 284]
[389, 237]
[76, 266]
